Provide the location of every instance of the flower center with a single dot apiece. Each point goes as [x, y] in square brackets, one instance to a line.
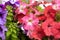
[0, 29]
[30, 20]
[57, 16]
[0, 15]
[49, 25]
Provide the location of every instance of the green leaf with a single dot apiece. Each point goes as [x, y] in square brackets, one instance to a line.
[39, 8]
[57, 17]
[45, 38]
[14, 36]
[11, 34]
[8, 33]
[9, 18]
[8, 7]
[26, 1]
[10, 14]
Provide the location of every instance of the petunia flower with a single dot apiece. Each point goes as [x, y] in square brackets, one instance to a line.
[11, 1]
[37, 33]
[19, 17]
[15, 4]
[2, 6]
[30, 21]
[56, 30]
[49, 12]
[57, 4]
[3, 14]
[30, 3]
[51, 28]
[3, 29]
[47, 27]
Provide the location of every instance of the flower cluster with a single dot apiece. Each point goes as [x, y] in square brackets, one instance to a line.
[3, 14]
[39, 19]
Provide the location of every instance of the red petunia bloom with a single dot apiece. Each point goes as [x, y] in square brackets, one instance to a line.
[56, 29]
[37, 33]
[49, 12]
[18, 15]
[42, 17]
[51, 27]
[47, 27]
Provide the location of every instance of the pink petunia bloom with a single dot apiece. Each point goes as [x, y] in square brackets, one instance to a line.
[57, 2]
[31, 3]
[23, 9]
[29, 21]
[23, 6]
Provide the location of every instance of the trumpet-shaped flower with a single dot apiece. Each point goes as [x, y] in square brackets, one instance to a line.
[3, 29]
[29, 21]
[49, 12]
[3, 14]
